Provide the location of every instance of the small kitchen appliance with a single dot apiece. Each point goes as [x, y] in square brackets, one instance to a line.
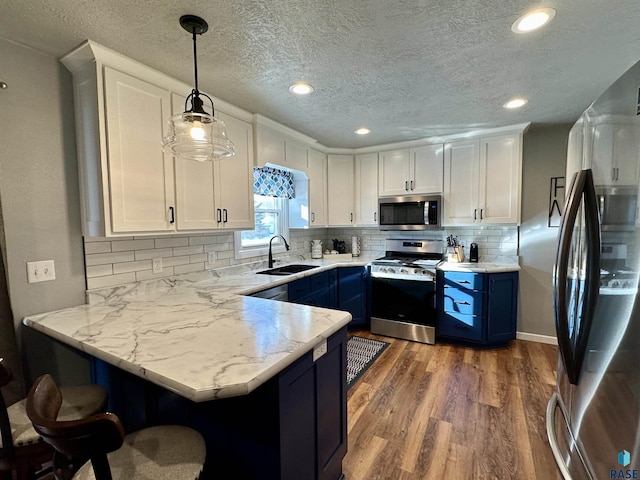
[473, 253]
[316, 248]
[403, 286]
[413, 212]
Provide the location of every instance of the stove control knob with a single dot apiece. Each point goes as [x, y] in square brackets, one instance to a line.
[403, 270]
[391, 270]
[382, 269]
[626, 284]
[615, 284]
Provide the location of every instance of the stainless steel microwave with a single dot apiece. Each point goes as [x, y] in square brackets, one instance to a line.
[415, 212]
[618, 207]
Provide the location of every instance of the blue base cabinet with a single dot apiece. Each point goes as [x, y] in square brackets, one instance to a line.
[352, 294]
[292, 427]
[477, 308]
[342, 288]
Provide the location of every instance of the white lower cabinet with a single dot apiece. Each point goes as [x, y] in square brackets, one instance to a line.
[482, 180]
[366, 180]
[340, 198]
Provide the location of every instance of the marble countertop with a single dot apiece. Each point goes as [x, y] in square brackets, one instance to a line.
[198, 334]
[480, 267]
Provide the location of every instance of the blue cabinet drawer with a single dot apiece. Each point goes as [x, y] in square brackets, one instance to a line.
[299, 288]
[319, 281]
[458, 325]
[472, 281]
[468, 302]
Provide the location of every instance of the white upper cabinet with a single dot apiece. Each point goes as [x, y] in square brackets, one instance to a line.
[234, 177]
[482, 180]
[461, 171]
[295, 156]
[128, 186]
[269, 146]
[340, 198]
[411, 171]
[317, 172]
[140, 176]
[366, 197]
[615, 150]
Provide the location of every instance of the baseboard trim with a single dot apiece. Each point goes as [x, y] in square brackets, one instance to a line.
[534, 337]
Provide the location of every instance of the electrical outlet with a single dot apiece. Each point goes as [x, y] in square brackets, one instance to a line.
[211, 258]
[43, 271]
[157, 265]
[319, 350]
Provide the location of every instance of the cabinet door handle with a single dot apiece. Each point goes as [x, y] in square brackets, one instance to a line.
[225, 218]
[313, 217]
[375, 216]
[465, 281]
[475, 212]
[351, 217]
[406, 186]
[411, 184]
[613, 173]
[461, 303]
[173, 215]
[617, 174]
[219, 215]
[481, 214]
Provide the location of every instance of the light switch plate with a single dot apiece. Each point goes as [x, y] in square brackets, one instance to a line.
[319, 350]
[42, 271]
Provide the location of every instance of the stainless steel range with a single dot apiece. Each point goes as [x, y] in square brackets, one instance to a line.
[403, 290]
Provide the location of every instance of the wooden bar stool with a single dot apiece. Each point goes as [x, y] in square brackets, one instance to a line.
[22, 450]
[170, 452]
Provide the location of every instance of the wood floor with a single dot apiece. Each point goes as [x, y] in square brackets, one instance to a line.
[449, 412]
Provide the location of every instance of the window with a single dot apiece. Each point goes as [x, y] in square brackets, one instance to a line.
[271, 218]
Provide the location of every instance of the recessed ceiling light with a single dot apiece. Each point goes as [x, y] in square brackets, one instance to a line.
[515, 103]
[533, 20]
[301, 88]
[363, 131]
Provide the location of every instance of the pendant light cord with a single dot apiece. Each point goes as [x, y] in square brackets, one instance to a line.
[195, 63]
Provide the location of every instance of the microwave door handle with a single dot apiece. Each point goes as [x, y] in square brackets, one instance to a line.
[561, 273]
[601, 204]
[592, 274]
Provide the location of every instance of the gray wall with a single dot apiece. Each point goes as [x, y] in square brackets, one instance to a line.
[39, 184]
[544, 156]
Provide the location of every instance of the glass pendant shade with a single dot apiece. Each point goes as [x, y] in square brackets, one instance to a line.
[197, 136]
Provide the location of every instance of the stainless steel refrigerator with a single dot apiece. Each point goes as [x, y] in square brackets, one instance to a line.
[593, 418]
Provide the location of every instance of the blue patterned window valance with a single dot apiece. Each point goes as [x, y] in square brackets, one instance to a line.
[272, 182]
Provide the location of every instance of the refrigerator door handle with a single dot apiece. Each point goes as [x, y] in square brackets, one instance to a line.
[561, 272]
[592, 274]
[581, 191]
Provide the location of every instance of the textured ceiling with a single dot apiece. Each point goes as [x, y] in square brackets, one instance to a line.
[407, 69]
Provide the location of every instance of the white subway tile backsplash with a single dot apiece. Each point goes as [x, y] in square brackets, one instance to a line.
[155, 253]
[104, 258]
[122, 245]
[110, 280]
[172, 242]
[131, 266]
[99, 270]
[114, 261]
[178, 251]
[97, 247]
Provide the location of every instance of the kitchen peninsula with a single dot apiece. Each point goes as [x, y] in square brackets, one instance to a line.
[264, 381]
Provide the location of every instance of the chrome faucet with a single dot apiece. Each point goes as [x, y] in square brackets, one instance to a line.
[286, 245]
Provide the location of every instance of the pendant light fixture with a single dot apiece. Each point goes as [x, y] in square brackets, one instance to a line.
[195, 134]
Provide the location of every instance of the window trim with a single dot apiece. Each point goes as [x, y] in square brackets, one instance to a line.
[241, 252]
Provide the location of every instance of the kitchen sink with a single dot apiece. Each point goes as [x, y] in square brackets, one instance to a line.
[287, 269]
